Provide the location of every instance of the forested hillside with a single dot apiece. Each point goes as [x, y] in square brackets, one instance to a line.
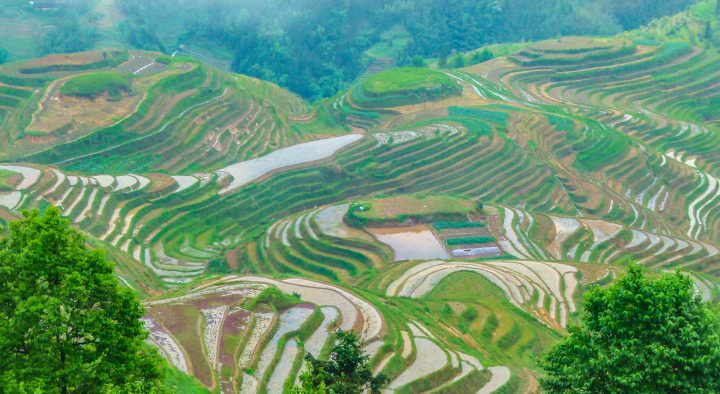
[313, 47]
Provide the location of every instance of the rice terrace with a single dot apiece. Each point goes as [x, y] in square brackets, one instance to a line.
[452, 209]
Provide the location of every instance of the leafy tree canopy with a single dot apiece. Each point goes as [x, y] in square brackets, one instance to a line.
[65, 323]
[640, 335]
[315, 47]
[346, 371]
[70, 36]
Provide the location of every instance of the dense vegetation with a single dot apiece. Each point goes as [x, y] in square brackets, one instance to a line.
[43, 27]
[640, 335]
[346, 370]
[70, 36]
[65, 323]
[315, 47]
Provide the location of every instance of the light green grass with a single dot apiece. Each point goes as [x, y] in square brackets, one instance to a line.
[506, 332]
[394, 208]
[95, 84]
[407, 79]
[179, 382]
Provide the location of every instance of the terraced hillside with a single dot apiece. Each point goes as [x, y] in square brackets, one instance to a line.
[213, 117]
[254, 331]
[454, 218]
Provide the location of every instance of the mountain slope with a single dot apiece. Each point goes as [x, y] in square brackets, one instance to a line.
[492, 196]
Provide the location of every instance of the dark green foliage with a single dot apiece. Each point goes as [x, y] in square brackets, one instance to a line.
[470, 240]
[70, 36]
[481, 56]
[218, 266]
[139, 32]
[449, 225]
[417, 61]
[3, 55]
[65, 323]
[273, 296]
[314, 47]
[458, 61]
[346, 370]
[639, 335]
[163, 59]
[469, 314]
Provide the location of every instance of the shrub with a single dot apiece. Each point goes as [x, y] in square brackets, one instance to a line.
[163, 59]
[274, 297]
[218, 266]
[469, 314]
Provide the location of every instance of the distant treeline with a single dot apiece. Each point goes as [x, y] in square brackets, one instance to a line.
[68, 21]
[314, 47]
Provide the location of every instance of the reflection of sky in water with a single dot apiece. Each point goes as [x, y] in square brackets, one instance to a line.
[413, 245]
[249, 170]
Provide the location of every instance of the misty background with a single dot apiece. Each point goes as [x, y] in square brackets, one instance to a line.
[312, 47]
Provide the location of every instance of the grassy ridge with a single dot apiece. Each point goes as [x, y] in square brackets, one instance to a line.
[403, 86]
[95, 84]
[407, 79]
[401, 208]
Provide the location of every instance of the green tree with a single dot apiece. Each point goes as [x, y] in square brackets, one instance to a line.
[3, 55]
[469, 314]
[458, 61]
[66, 325]
[346, 371]
[481, 56]
[640, 335]
[417, 61]
[70, 36]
